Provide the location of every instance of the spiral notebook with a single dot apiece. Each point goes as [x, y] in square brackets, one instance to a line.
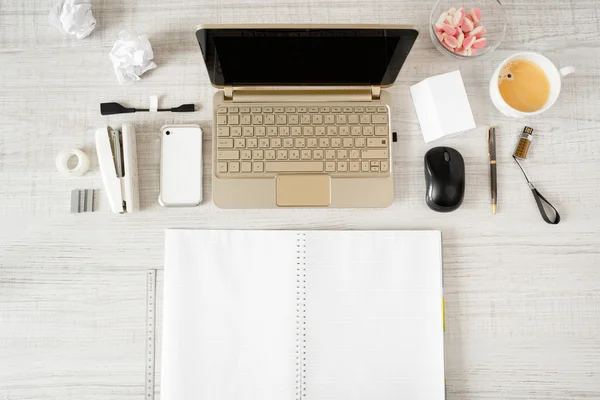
[312, 315]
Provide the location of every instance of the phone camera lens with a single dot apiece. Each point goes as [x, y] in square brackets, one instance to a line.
[168, 133]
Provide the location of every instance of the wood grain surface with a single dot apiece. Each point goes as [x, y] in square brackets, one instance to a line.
[522, 297]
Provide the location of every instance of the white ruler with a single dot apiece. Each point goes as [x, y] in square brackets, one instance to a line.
[150, 330]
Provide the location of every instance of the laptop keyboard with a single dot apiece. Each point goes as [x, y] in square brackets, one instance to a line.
[342, 140]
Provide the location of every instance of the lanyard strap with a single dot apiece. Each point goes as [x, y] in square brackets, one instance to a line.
[540, 200]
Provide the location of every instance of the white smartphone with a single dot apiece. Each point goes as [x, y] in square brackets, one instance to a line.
[180, 166]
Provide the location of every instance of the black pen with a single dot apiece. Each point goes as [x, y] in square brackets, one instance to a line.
[492, 154]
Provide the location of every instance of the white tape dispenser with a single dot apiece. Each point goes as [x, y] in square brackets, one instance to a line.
[117, 157]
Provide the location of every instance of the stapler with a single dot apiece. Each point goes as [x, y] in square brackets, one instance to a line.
[117, 157]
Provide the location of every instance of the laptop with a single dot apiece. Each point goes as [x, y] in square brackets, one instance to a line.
[301, 118]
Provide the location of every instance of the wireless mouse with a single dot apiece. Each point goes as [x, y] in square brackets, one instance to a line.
[444, 179]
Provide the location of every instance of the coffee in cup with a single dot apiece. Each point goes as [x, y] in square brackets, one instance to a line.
[524, 85]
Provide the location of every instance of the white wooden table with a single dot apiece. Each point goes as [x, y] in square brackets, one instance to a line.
[522, 297]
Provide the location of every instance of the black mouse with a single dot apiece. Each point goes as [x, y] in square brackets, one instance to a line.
[445, 179]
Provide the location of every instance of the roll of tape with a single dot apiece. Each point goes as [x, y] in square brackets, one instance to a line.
[62, 160]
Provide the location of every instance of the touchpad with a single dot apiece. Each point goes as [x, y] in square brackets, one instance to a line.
[303, 190]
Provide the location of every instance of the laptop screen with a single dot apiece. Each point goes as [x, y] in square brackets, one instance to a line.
[294, 56]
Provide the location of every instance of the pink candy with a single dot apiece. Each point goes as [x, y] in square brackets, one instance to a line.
[461, 31]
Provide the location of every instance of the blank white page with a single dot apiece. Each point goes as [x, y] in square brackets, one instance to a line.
[374, 325]
[229, 315]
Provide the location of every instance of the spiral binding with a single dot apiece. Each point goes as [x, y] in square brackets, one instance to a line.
[301, 316]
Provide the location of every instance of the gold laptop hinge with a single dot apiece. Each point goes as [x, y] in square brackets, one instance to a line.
[300, 94]
[375, 92]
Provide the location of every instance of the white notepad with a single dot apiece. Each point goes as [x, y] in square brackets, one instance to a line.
[309, 315]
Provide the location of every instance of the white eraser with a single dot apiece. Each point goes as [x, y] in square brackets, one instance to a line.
[442, 106]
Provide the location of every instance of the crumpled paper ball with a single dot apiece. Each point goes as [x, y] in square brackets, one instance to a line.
[74, 17]
[131, 56]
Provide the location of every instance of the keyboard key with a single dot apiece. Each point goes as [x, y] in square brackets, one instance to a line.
[244, 109]
[370, 154]
[221, 167]
[257, 119]
[293, 119]
[236, 130]
[336, 142]
[269, 154]
[377, 142]
[313, 109]
[288, 142]
[270, 119]
[248, 131]
[379, 119]
[312, 142]
[256, 109]
[365, 119]
[305, 119]
[347, 109]
[234, 110]
[296, 131]
[381, 130]
[263, 142]
[284, 131]
[228, 155]
[222, 110]
[268, 109]
[330, 154]
[300, 142]
[221, 119]
[239, 143]
[258, 166]
[347, 142]
[282, 154]
[353, 119]
[276, 143]
[359, 142]
[320, 131]
[281, 119]
[324, 142]
[330, 166]
[308, 131]
[354, 154]
[225, 143]
[332, 131]
[234, 166]
[271, 131]
[302, 109]
[374, 166]
[371, 109]
[318, 154]
[279, 109]
[251, 142]
[336, 109]
[354, 166]
[258, 154]
[356, 131]
[245, 120]
[223, 131]
[385, 165]
[359, 109]
[246, 154]
[294, 166]
[381, 109]
[342, 154]
[290, 109]
[342, 166]
[368, 130]
[342, 119]
[259, 131]
[329, 119]
[324, 109]
[364, 166]
[246, 166]
[344, 130]
[294, 154]
[234, 120]
[306, 154]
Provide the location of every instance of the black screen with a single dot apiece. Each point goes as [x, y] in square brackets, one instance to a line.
[239, 57]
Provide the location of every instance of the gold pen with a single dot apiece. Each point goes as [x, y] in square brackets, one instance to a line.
[492, 154]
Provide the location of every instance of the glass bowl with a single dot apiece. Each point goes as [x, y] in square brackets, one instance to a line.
[493, 20]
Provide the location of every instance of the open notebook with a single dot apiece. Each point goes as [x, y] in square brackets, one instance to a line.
[315, 315]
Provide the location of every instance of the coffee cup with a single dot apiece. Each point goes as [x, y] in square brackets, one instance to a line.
[553, 73]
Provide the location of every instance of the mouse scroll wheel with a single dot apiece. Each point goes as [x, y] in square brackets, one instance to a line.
[446, 156]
